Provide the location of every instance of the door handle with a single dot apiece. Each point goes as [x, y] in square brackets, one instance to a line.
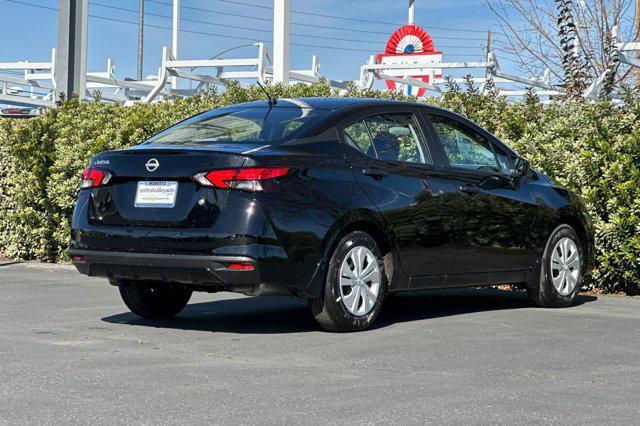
[470, 189]
[375, 173]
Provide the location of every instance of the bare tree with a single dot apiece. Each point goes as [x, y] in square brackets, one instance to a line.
[573, 38]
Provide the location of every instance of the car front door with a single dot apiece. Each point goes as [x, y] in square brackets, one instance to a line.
[497, 214]
[393, 163]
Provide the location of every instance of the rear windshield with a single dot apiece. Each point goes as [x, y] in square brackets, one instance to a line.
[250, 125]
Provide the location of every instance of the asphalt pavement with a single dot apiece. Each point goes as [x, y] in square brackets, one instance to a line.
[70, 352]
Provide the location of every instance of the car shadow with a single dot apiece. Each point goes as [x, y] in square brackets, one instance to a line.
[277, 315]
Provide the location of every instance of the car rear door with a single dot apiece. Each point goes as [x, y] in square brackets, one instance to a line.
[496, 223]
[392, 159]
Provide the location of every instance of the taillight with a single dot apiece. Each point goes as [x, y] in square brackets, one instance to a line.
[93, 178]
[242, 266]
[250, 179]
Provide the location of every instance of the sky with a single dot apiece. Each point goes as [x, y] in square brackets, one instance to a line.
[457, 27]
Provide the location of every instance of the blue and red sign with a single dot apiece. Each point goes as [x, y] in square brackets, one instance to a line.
[411, 45]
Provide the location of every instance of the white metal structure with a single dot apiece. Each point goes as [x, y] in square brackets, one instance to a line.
[488, 69]
[281, 40]
[35, 83]
[260, 68]
[175, 45]
[625, 47]
[621, 54]
[39, 78]
[412, 13]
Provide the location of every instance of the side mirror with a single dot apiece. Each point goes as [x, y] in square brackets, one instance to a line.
[519, 168]
[492, 182]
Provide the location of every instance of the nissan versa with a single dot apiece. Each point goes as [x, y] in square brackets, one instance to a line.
[340, 201]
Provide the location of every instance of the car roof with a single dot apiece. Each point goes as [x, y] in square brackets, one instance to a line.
[325, 103]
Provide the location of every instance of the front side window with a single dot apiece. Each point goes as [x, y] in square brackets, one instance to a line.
[463, 147]
[246, 125]
[395, 137]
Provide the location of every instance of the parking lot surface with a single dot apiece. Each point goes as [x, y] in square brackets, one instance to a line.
[71, 352]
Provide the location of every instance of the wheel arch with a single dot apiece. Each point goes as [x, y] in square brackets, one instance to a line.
[358, 220]
[575, 223]
[576, 216]
[533, 278]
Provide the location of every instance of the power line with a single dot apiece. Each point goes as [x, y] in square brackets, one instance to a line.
[213, 34]
[346, 18]
[200, 9]
[259, 6]
[33, 5]
[169, 28]
[258, 29]
[233, 26]
[315, 46]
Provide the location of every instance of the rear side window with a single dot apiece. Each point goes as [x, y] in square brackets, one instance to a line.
[357, 136]
[395, 137]
[248, 125]
[463, 147]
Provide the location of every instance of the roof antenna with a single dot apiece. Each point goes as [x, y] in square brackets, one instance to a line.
[272, 100]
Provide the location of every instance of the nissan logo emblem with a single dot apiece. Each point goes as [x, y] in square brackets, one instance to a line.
[152, 165]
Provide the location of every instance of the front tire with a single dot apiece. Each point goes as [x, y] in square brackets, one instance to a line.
[355, 286]
[154, 301]
[561, 270]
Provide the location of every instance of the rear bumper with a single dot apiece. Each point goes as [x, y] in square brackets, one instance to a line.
[206, 272]
[284, 246]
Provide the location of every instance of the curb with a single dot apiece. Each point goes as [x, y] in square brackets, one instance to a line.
[36, 264]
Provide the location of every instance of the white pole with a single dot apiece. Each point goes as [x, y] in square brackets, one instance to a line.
[411, 12]
[281, 39]
[176, 35]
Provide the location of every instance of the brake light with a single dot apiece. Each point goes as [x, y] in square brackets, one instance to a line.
[242, 266]
[93, 178]
[250, 179]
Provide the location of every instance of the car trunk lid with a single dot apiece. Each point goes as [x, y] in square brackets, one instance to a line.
[155, 187]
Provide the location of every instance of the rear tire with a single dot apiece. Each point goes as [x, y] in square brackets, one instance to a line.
[158, 301]
[561, 270]
[355, 286]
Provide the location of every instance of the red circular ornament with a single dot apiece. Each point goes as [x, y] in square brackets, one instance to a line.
[410, 39]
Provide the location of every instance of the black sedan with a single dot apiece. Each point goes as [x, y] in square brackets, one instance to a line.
[340, 201]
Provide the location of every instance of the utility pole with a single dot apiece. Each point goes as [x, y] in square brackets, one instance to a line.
[176, 35]
[412, 14]
[140, 36]
[489, 42]
[281, 39]
[71, 52]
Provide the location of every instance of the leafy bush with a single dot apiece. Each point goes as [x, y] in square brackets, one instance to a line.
[592, 148]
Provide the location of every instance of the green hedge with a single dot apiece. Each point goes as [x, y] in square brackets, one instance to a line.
[592, 148]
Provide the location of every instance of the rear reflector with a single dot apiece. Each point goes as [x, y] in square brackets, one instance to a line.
[93, 178]
[77, 258]
[242, 266]
[244, 179]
